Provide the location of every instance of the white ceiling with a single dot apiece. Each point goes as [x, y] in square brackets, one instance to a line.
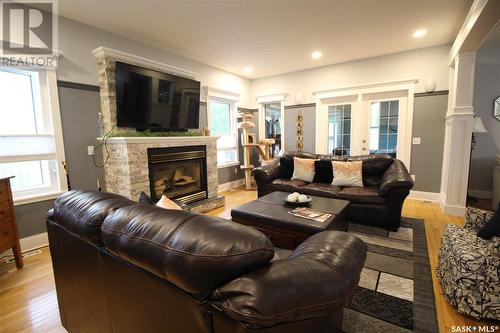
[276, 36]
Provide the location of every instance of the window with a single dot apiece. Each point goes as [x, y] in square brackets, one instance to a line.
[222, 122]
[28, 148]
[339, 129]
[384, 127]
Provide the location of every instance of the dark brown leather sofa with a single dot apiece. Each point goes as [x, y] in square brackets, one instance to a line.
[126, 267]
[386, 182]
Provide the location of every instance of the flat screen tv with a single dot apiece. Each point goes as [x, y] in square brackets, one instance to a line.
[148, 99]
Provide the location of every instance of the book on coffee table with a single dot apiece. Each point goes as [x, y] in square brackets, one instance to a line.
[310, 214]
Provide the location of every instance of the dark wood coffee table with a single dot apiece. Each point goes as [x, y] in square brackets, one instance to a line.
[269, 215]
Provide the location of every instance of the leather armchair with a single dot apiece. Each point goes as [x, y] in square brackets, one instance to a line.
[125, 267]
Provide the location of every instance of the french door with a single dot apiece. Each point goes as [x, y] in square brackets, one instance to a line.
[365, 123]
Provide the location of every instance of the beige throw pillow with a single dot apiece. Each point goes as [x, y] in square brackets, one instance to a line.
[303, 169]
[347, 173]
[166, 203]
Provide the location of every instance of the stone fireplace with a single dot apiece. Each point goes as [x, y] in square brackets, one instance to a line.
[178, 173]
[131, 160]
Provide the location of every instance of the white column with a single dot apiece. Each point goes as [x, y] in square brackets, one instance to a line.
[458, 134]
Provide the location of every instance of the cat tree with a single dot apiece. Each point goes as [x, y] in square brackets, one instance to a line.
[249, 142]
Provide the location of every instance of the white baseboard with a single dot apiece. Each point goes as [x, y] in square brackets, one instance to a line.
[454, 210]
[425, 196]
[231, 185]
[480, 194]
[30, 243]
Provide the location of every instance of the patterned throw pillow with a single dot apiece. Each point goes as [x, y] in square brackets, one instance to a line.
[303, 169]
[166, 203]
[347, 173]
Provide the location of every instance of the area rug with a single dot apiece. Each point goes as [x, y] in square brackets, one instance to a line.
[395, 291]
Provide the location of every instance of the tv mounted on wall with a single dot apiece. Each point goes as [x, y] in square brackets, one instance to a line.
[148, 99]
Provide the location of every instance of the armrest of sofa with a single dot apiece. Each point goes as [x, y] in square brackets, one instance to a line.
[395, 176]
[318, 278]
[266, 174]
[476, 218]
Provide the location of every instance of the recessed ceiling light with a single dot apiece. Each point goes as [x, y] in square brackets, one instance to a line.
[248, 69]
[316, 55]
[419, 33]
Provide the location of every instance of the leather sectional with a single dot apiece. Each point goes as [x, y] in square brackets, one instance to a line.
[124, 267]
[379, 202]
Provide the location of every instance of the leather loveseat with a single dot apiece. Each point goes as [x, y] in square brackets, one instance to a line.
[386, 182]
[124, 267]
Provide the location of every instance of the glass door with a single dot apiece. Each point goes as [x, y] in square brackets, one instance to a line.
[383, 137]
[339, 129]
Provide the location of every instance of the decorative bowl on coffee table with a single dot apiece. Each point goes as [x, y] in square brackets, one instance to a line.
[297, 203]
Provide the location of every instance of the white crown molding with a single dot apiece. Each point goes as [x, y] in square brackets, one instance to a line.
[219, 93]
[271, 98]
[104, 52]
[367, 88]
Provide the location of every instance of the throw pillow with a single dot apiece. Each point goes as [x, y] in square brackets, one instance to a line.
[166, 203]
[323, 171]
[286, 167]
[347, 173]
[303, 169]
[492, 227]
[144, 199]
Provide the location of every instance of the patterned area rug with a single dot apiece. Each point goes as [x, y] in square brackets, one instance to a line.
[395, 291]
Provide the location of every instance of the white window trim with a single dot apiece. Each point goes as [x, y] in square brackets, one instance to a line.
[323, 99]
[48, 100]
[232, 98]
[268, 99]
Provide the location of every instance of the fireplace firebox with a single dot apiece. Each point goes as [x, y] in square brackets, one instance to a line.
[178, 173]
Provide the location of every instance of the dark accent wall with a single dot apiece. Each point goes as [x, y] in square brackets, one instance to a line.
[79, 105]
[429, 111]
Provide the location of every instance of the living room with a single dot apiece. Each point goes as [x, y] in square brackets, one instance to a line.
[333, 166]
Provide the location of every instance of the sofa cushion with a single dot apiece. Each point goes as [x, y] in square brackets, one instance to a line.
[286, 167]
[366, 194]
[321, 189]
[323, 171]
[197, 253]
[288, 185]
[303, 169]
[347, 173]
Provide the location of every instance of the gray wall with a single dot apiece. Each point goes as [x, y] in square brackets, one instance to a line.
[309, 115]
[428, 124]
[486, 90]
[79, 110]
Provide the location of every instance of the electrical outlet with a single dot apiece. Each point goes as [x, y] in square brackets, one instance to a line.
[235, 169]
[90, 150]
[417, 141]
[413, 177]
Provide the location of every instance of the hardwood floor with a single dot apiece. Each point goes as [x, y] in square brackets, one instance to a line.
[28, 301]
